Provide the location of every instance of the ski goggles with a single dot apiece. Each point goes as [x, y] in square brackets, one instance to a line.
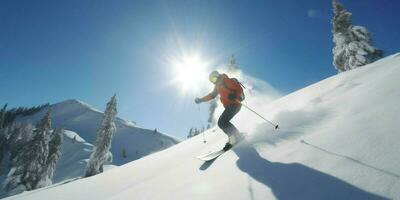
[213, 79]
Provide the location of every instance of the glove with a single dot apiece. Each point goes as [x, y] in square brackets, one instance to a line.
[197, 100]
[232, 96]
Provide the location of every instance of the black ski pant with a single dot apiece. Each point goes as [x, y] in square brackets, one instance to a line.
[225, 118]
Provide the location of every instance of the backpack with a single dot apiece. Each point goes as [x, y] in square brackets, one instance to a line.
[239, 84]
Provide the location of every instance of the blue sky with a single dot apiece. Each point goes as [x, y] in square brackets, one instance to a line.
[51, 51]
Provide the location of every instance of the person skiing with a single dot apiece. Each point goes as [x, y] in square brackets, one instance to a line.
[231, 93]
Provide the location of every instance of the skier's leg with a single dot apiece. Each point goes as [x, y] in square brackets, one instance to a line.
[224, 120]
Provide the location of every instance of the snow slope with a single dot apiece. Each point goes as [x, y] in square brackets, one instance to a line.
[84, 119]
[338, 140]
[75, 154]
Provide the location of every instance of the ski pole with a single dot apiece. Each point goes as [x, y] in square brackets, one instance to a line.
[273, 124]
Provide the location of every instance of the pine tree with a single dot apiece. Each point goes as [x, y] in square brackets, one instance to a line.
[232, 67]
[17, 136]
[3, 112]
[30, 164]
[55, 152]
[3, 139]
[3, 149]
[3, 142]
[353, 44]
[101, 153]
[341, 25]
[190, 133]
[211, 111]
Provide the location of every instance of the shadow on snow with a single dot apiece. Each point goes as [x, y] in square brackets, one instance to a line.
[296, 181]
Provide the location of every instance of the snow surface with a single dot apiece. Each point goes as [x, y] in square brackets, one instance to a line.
[338, 140]
[75, 155]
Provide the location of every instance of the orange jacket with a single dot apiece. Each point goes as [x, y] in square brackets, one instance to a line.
[225, 86]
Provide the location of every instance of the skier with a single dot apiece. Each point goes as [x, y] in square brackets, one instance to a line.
[231, 93]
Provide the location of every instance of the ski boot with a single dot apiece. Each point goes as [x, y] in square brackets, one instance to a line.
[227, 146]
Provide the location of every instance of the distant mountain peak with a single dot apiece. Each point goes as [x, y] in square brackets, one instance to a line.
[72, 101]
[75, 103]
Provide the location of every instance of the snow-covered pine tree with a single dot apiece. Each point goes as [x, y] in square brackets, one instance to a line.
[17, 136]
[3, 142]
[30, 163]
[341, 37]
[361, 50]
[3, 115]
[232, 67]
[3, 139]
[55, 152]
[353, 44]
[211, 111]
[196, 132]
[101, 153]
[190, 133]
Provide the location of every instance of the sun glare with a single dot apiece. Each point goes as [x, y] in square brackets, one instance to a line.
[190, 72]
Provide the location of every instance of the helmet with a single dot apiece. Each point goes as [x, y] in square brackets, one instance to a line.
[214, 76]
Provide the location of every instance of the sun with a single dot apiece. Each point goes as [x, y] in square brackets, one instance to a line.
[190, 72]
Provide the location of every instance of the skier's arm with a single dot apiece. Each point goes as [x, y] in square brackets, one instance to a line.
[210, 96]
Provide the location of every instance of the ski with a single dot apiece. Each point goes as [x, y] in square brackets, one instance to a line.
[211, 156]
[215, 154]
